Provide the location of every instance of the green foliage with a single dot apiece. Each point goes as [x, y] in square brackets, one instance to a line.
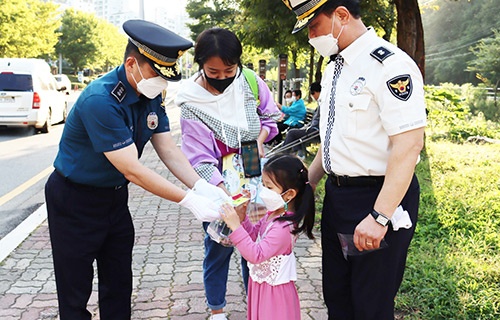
[77, 41]
[480, 101]
[110, 44]
[451, 29]
[381, 15]
[28, 28]
[449, 115]
[208, 14]
[89, 42]
[487, 62]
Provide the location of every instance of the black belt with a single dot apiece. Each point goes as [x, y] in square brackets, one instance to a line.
[361, 181]
[89, 187]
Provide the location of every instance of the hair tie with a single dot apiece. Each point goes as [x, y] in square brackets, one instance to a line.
[307, 182]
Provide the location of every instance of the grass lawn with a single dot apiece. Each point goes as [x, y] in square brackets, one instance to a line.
[453, 269]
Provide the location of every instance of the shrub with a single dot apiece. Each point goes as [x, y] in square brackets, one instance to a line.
[450, 116]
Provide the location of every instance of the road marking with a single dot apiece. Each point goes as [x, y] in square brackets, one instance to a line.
[17, 191]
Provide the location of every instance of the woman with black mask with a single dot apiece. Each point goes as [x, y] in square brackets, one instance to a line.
[220, 113]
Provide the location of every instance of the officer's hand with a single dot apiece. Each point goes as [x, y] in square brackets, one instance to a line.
[368, 234]
[214, 193]
[204, 209]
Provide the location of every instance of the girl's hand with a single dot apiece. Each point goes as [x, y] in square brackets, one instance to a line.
[241, 210]
[230, 216]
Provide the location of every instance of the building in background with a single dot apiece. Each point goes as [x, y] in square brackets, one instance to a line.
[81, 5]
[172, 19]
[170, 14]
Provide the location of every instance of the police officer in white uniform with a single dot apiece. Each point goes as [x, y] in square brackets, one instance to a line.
[372, 131]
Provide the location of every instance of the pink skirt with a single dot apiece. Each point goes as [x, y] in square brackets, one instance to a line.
[266, 302]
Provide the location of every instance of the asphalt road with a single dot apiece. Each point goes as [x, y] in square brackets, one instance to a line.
[26, 159]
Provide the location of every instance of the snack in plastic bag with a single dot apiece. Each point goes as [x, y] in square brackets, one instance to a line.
[218, 230]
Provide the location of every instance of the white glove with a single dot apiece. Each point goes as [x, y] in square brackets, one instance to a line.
[204, 209]
[400, 219]
[214, 193]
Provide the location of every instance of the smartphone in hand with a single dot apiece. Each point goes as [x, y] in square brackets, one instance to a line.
[251, 159]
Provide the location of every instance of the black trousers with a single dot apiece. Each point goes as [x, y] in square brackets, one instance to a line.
[363, 286]
[295, 134]
[89, 224]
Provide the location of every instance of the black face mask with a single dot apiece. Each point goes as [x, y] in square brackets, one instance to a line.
[220, 84]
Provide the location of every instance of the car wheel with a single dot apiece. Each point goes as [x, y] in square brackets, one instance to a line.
[47, 124]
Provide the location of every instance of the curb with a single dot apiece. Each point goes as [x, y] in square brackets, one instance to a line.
[14, 238]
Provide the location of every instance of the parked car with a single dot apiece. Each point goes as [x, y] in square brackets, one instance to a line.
[63, 82]
[29, 95]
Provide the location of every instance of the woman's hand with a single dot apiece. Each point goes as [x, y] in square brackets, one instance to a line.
[262, 151]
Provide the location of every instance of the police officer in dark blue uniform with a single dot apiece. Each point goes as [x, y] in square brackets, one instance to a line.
[104, 136]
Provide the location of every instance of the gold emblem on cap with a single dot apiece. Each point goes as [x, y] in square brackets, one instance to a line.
[167, 71]
[287, 3]
[302, 22]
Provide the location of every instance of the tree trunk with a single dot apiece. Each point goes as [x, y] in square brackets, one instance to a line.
[410, 31]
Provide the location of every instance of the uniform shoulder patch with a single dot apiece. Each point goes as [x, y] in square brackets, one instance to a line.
[119, 92]
[381, 53]
[401, 87]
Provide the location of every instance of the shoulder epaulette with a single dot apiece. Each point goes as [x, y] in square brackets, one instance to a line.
[381, 53]
[119, 92]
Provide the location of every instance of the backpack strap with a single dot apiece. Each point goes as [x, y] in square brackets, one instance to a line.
[252, 82]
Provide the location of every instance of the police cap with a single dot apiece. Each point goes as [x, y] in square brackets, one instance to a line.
[306, 11]
[161, 47]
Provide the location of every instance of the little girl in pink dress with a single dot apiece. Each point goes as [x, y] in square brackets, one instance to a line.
[268, 245]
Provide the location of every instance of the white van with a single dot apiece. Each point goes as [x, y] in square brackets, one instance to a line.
[29, 95]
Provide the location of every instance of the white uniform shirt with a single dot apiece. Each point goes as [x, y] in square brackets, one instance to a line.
[368, 109]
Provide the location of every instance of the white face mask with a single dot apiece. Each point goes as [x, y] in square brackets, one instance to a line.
[271, 199]
[326, 44]
[151, 87]
[288, 101]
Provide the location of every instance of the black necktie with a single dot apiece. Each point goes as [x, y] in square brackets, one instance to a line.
[339, 63]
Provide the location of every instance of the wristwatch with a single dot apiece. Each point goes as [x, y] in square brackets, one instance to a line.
[381, 219]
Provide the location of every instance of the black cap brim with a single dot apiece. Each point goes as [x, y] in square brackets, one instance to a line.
[302, 23]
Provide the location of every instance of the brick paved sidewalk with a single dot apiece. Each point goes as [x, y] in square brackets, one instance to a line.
[167, 264]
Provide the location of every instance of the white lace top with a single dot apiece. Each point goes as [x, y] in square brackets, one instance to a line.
[277, 270]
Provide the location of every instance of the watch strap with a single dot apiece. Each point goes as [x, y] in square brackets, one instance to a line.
[380, 218]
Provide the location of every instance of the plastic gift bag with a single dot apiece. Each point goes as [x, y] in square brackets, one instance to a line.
[349, 249]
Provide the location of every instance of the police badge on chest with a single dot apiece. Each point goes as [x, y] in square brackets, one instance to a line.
[152, 120]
